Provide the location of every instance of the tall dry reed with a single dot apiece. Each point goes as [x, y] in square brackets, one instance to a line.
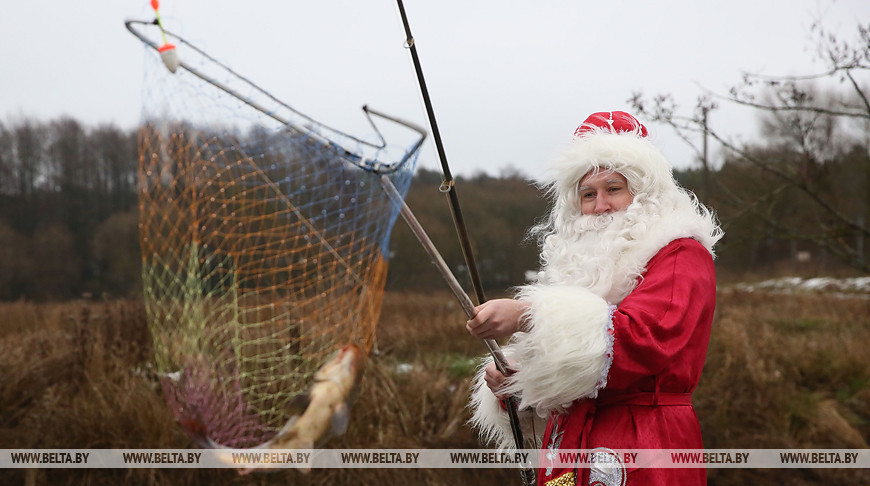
[782, 372]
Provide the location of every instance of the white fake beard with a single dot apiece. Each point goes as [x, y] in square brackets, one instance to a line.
[594, 251]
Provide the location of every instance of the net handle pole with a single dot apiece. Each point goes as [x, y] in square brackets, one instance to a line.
[421, 235]
[526, 471]
[448, 185]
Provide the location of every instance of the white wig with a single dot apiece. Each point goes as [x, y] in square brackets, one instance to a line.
[621, 146]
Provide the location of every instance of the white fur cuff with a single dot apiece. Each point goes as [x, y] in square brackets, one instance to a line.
[492, 421]
[567, 351]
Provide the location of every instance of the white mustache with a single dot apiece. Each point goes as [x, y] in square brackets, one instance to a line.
[596, 222]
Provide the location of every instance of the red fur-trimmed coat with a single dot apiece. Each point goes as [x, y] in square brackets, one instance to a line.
[654, 348]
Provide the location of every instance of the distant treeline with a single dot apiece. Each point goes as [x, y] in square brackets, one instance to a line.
[69, 215]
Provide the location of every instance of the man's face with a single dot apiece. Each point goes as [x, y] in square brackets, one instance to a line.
[604, 192]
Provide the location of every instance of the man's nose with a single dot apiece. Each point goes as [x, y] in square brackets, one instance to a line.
[601, 204]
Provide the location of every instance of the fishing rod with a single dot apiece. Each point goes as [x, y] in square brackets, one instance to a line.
[448, 185]
[527, 473]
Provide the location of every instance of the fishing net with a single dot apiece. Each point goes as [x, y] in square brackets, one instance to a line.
[264, 241]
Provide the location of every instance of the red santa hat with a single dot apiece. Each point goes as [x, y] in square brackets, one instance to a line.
[614, 121]
[611, 140]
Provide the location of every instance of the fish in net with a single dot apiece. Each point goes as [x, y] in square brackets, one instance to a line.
[264, 238]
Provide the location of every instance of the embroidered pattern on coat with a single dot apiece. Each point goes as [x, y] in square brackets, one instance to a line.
[567, 479]
[553, 443]
[606, 468]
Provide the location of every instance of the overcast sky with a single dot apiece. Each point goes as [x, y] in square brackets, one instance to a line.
[509, 80]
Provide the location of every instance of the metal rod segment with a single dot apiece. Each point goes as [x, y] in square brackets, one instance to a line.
[443, 268]
[526, 472]
[453, 198]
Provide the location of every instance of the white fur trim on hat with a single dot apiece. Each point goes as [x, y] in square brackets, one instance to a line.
[642, 163]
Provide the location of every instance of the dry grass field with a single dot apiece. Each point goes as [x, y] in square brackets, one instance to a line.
[783, 371]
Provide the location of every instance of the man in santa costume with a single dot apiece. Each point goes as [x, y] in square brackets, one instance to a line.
[610, 340]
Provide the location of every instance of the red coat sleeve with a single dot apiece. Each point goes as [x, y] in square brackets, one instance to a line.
[662, 328]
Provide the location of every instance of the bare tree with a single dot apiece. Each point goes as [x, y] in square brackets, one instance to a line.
[115, 154]
[813, 126]
[30, 158]
[7, 161]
